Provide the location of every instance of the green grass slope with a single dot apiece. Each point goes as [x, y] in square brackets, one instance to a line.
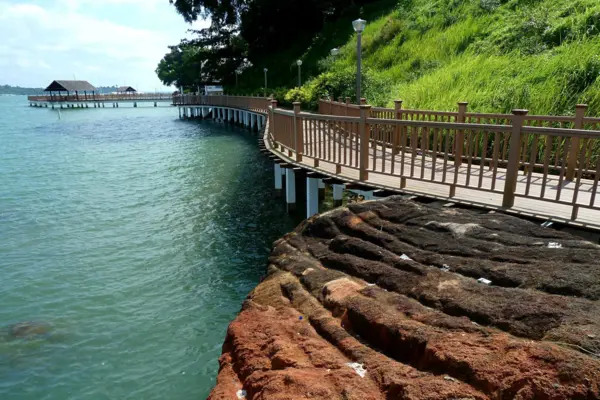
[543, 55]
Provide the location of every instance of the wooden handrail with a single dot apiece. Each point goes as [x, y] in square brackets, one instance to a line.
[512, 156]
[531, 158]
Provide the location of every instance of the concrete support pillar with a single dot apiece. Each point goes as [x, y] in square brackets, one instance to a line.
[117, 104]
[278, 180]
[155, 104]
[338, 193]
[252, 121]
[103, 105]
[87, 105]
[179, 112]
[312, 196]
[290, 189]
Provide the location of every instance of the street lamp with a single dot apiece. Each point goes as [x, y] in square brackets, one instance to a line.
[299, 63]
[359, 27]
[335, 51]
[266, 70]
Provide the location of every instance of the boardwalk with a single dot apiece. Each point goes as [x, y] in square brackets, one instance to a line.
[429, 175]
[541, 166]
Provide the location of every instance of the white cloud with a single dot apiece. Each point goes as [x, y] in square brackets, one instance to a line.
[65, 39]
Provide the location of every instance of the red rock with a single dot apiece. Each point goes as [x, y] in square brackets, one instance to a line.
[365, 285]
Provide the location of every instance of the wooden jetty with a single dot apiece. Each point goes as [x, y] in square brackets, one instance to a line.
[82, 94]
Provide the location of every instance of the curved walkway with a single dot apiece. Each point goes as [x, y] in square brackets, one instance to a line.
[511, 167]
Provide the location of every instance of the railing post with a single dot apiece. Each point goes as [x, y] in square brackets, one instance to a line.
[460, 134]
[398, 129]
[347, 105]
[574, 152]
[363, 101]
[514, 158]
[364, 133]
[330, 106]
[272, 121]
[298, 132]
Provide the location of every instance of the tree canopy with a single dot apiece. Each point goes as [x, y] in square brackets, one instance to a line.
[243, 33]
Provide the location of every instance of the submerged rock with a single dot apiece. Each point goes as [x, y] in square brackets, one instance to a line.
[29, 330]
[381, 300]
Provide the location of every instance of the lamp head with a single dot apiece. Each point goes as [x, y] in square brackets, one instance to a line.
[359, 25]
[335, 51]
[299, 62]
[266, 69]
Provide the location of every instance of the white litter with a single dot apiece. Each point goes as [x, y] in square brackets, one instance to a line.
[405, 257]
[358, 368]
[446, 268]
[484, 281]
[307, 271]
[554, 245]
[371, 284]
[241, 394]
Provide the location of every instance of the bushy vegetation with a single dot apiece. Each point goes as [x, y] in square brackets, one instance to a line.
[543, 55]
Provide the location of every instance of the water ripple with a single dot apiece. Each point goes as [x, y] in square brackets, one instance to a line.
[137, 236]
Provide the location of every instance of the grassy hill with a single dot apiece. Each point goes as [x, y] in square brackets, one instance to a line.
[543, 55]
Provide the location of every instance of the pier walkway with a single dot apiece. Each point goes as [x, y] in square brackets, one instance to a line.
[539, 166]
[98, 100]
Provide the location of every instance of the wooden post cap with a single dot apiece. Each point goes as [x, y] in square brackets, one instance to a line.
[463, 103]
[520, 112]
[581, 106]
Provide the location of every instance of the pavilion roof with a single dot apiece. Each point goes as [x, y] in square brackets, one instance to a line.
[126, 89]
[70, 86]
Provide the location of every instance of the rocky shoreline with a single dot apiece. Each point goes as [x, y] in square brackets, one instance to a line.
[395, 299]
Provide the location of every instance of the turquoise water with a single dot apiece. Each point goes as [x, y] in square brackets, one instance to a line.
[136, 235]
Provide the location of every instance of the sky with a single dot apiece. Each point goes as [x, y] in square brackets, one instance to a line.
[106, 42]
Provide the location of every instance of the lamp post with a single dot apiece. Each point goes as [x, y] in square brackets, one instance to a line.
[299, 63]
[266, 70]
[359, 27]
[335, 51]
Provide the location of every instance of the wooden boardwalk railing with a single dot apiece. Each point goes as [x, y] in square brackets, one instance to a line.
[541, 166]
[250, 103]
